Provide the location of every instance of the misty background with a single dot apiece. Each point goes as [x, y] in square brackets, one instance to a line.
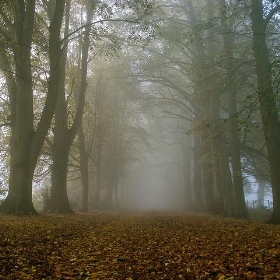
[140, 105]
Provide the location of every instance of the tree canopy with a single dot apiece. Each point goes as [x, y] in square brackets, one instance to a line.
[103, 102]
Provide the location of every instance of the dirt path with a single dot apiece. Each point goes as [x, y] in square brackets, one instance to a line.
[137, 246]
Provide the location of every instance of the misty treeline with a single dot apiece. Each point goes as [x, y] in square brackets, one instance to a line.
[91, 89]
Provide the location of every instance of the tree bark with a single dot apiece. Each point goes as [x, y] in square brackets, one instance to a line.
[186, 171]
[111, 173]
[26, 143]
[237, 177]
[197, 182]
[206, 151]
[260, 193]
[61, 146]
[64, 137]
[188, 181]
[207, 176]
[99, 141]
[19, 200]
[267, 103]
[83, 169]
[98, 178]
[223, 160]
[59, 199]
[217, 123]
[219, 201]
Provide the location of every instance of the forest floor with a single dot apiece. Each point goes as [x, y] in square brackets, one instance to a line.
[137, 246]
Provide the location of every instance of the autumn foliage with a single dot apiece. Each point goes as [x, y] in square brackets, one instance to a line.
[137, 246]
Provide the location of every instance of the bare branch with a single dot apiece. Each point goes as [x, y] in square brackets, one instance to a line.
[179, 115]
[271, 14]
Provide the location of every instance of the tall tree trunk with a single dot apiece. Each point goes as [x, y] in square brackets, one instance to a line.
[187, 169]
[207, 175]
[197, 182]
[260, 192]
[237, 177]
[219, 201]
[19, 200]
[202, 88]
[188, 182]
[59, 199]
[223, 160]
[26, 143]
[61, 146]
[99, 164]
[64, 137]
[206, 154]
[109, 198]
[267, 103]
[115, 173]
[214, 100]
[83, 169]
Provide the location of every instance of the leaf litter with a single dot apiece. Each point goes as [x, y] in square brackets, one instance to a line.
[108, 245]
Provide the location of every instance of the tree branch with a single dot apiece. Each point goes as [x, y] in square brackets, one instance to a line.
[179, 115]
[270, 15]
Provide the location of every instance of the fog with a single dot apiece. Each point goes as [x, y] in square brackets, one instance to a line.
[155, 185]
[143, 105]
[157, 181]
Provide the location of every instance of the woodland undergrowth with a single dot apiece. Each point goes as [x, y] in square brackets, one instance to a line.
[108, 245]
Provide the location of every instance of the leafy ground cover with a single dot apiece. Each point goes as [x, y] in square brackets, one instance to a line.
[137, 246]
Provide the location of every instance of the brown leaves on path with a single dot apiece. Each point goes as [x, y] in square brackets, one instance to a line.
[134, 246]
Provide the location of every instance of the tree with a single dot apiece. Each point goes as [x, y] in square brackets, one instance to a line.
[237, 177]
[189, 70]
[26, 140]
[64, 136]
[267, 99]
[84, 168]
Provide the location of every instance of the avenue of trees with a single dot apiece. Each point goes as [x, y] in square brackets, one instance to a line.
[91, 89]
